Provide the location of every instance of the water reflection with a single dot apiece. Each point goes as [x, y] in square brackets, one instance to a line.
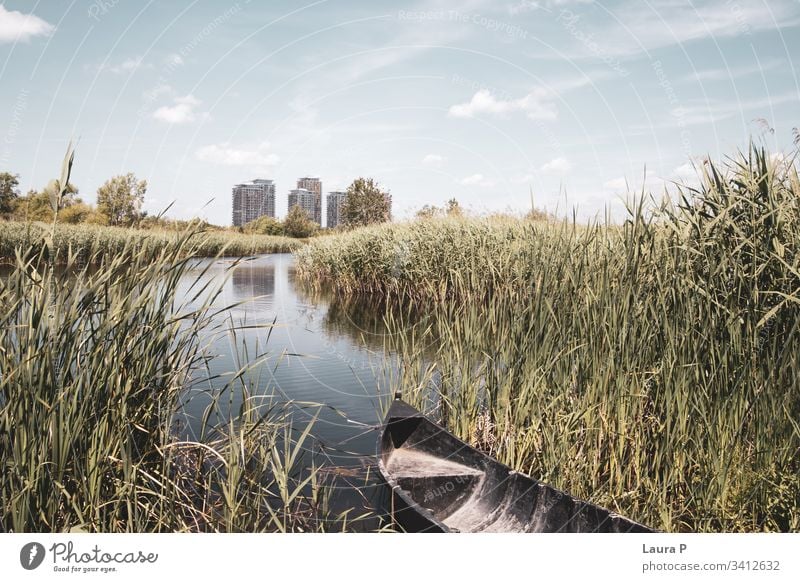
[364, 318]
[317, 349]
[320, 349]
[253, 279]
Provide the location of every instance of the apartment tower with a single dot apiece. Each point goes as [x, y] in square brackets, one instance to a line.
[252, 200]
[334, 201]
[313, 208]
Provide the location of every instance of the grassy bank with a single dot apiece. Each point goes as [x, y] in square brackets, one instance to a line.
[94, 366]
[651, 367]
[92, 241]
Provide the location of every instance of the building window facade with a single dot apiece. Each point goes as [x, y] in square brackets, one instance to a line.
[252, 200]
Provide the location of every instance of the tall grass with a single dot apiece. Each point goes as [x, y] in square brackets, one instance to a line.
[92, 241]
[651, 367]
[424, 259]
[94, 366]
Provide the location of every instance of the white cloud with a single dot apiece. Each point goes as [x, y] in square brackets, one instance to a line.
[729, 74]
[182, 112]
[616, 184]
[685, 172]
[536, 105]
[18, 27]
[557, 166]
[715, 111]
[128, 66]
[227, 155]
[433, 160]
[526, 179]
[710, 111]
[647, 182]
[157, 91]
[522, 6]
[174, 60]
[413, 39]
[632, 29]
[476, 180]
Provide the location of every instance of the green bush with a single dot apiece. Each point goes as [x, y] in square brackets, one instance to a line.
[264, 225]
[298, 224]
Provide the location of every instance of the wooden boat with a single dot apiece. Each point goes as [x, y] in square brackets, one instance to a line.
[439, 483]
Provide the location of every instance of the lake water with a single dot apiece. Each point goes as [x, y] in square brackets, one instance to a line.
[315, 350]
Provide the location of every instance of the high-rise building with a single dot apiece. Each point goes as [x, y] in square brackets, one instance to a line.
[310, 184]
[334, 201]
[313, 185]
[308, 201]
[252, 200]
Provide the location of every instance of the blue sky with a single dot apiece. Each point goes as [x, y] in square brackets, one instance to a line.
[481, 100]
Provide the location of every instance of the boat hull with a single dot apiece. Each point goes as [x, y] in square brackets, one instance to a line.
[439, 483]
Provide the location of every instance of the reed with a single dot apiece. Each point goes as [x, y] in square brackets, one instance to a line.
[85, 241]
[95, 365]
[650, 367]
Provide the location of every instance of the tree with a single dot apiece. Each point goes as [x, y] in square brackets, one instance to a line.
[70, 194]
[537, 215]
[75, 213]
[429, 211]
[8, 191]
[120, 199]
[34, 206]
[38, 206]
[96, 218]
[365, 203]
[298, 224]
[264, 225]
[454, 208]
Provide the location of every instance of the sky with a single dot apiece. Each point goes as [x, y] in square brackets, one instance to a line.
[568, 105]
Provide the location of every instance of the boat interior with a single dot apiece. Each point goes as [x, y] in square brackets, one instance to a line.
[461, 489]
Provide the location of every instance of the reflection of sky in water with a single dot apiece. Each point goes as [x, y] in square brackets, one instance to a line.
[314, 353]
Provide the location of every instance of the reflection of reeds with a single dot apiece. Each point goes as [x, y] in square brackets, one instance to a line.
[652, 367]
[91, 241]
[93, 366]
[360, 316]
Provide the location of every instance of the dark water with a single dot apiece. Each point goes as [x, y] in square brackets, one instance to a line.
[314, 350]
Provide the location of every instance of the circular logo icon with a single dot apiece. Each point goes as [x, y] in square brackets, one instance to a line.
[31, 555]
